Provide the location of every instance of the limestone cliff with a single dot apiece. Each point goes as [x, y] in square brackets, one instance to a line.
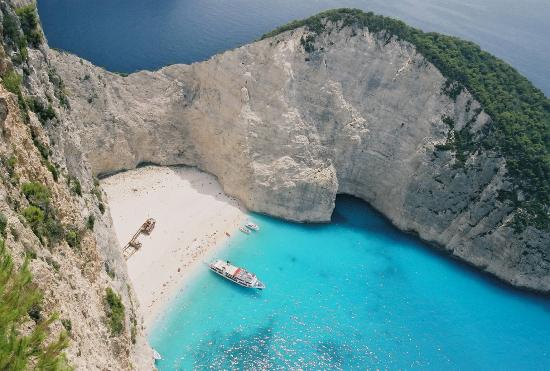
[286, 129]
[285, 123]
[67, 235]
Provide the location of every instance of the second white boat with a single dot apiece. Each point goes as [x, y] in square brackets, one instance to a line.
[252, 226]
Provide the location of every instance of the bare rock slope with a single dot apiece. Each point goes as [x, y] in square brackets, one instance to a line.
[286, 130]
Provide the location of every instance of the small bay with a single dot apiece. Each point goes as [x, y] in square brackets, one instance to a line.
[352, 294]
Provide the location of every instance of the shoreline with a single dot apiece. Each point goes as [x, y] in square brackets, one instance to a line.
[194, 220]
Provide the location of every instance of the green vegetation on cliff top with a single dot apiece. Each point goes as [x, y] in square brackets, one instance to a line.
[520, 113]
[30, 24]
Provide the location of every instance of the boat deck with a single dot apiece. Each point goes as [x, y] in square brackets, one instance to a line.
[236, 274]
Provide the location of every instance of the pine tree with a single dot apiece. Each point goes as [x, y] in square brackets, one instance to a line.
[18, 295]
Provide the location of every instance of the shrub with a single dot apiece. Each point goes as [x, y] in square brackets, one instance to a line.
[90, 222]
[51, 167]
[47, 113]
[10, 163]
[18, 295]
[11, 32]
[35, 312]
[59, 87]
[12, 82]
[41, 147]
[13, 203]
[53, 230]
[37, 194]
[23, 52]
[29, 24]
[101, 207]
[72, 237]
[30, 254]
[307, 43]
[35, 217]
[14, 233]
[115, 312]
[43, 112]
[39, 214]
[10, 27]
[43, 225]
[53, 263]
[67, 324]
[74, 185]
[96, 191]
[110, 272]
[3, 224]
[133, 330]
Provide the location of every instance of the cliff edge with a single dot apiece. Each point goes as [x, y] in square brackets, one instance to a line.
[75, 306]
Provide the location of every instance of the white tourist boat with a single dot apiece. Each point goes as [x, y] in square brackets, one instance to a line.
[244, 230]
[252, 226]
[156, 355]
[240, 276]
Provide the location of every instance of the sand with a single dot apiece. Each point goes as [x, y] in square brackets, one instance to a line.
[193, 220]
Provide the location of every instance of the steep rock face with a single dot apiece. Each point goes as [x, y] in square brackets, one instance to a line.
[42, 147]
[286, 130]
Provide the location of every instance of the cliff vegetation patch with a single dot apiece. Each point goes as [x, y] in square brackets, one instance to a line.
[115, 311]
[30, 24]
[40, 215]
[19, 298]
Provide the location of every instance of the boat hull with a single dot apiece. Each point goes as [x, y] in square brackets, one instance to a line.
[244, 230]
[257, 284]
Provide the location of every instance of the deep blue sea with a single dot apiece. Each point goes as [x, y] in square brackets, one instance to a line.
[353, 294]
[127, 35]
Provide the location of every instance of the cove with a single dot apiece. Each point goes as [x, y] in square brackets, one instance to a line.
[353, 294]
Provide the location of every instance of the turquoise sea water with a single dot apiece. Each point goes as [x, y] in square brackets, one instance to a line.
[353, 294]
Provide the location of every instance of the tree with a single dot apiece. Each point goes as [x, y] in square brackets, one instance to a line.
[18, 295]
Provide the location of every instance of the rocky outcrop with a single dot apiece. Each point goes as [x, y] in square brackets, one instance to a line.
[285, 130]
[38, 144]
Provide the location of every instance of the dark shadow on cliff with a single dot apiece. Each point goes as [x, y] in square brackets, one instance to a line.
[209, 186]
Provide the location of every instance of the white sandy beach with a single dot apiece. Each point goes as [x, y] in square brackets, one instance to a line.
[192, 217]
